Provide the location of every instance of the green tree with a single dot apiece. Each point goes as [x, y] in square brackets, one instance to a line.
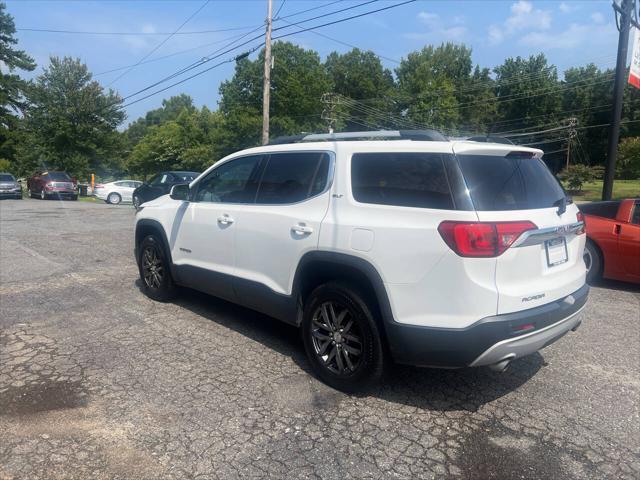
[71, 122]
[360, 76]
[12, 87]
[298, 81]
[628, 165]
[169, 111]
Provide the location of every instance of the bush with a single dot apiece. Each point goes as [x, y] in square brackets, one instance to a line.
[576, 176]
[5, 165]
[628, 164]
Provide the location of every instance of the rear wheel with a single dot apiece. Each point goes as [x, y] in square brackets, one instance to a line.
[155, 271]
[114, 198]
[593, 261]
[341, 338]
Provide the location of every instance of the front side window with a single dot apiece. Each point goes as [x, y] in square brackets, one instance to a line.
[293, 177]
[402, 179]
[232, 182]
[635, 216]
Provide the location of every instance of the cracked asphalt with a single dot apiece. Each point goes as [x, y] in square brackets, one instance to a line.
[97, 381]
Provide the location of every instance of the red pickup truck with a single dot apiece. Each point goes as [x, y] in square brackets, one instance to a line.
[613, 240]
[50, 184]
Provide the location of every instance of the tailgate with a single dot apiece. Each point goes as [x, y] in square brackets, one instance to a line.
[508, 183]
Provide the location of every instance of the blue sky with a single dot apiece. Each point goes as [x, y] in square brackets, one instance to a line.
[568, 32]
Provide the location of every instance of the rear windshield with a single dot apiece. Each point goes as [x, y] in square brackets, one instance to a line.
[401, 179]
[58, 176]
[509, 183]
[600, 209]
[6, 178]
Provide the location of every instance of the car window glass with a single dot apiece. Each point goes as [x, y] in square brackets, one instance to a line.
[156, 180]
[635, 217]
[512, 182]
[120, 184]
[293, 177]
[401, 179]
[6, 178]
[232, 182]
[166, 178]
[58, 177]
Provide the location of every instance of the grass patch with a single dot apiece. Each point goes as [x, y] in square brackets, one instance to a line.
[592, 191]
[88, 199]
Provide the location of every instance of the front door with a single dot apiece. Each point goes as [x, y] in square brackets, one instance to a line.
[204, 232]
[629, 243]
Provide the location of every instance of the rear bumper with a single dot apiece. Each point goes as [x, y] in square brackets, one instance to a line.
[489, 340]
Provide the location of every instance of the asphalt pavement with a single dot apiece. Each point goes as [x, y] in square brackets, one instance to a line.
[97, 381]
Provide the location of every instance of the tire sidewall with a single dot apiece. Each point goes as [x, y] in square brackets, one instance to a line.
[370, 371]
[167, 289]
[116, 196]
[595, 272]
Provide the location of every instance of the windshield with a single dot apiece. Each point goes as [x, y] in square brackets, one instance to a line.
[58, 176]
[509, 183]
[6, 178]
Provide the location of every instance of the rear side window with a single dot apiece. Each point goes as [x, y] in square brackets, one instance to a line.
[509, 183]
[293, 177]
[401, 179]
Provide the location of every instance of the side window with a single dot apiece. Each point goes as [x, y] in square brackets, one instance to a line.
[401, 179]
[635, 216]
[121, 184]
[232, 182]
[293, 177]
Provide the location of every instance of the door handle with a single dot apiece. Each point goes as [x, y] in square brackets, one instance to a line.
[616, 229]
[301, 229]
[225, 219]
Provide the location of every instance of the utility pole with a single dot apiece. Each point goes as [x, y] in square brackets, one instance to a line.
[625, 9]
[266, 93]
[573, 123]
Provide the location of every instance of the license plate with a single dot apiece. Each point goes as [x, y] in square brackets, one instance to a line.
[556, 251]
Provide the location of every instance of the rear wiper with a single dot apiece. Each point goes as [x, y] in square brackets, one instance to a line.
[561, 204]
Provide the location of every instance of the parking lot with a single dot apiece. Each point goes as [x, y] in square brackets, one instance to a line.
[97, 381]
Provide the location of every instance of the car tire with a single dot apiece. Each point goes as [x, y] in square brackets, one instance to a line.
[43, 196]
[593, 261]
[155, 271]
[74, 198]
[137, 201]
[114, 198]
[346, 351]
[29, 193]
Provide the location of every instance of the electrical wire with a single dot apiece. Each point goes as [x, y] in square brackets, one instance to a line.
[160, 44]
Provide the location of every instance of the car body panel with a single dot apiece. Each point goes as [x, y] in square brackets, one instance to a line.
[124, 188]
[618, 239]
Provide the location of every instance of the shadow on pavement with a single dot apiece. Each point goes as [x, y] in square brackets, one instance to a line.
[431, 389]
[616, 285]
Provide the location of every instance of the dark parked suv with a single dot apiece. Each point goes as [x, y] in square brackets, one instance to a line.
[9, 187]
[160, 185]
[52, 185]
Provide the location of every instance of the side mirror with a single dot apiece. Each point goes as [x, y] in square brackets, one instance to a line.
[180, 192]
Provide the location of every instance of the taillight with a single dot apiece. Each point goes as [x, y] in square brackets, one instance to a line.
[580, 218]
[98, 185]
[482, 239]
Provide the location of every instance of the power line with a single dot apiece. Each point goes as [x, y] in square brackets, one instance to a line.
[208, 59]
[160, 44]
[91, 32]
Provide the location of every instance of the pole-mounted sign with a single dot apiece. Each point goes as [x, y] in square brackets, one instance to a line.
[634, 72]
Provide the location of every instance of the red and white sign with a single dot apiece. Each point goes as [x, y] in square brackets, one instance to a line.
[634, 72]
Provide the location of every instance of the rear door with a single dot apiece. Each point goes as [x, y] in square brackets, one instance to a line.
[508, 184]
[284, 222]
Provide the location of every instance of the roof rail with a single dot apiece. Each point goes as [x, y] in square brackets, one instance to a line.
[419, 135]
[490, 139]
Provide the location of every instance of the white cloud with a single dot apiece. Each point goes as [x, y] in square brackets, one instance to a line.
[564, 7]
[585, 36]
[439, 29]
[597, 17]
[524, 17]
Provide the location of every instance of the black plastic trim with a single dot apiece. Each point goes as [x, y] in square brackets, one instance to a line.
[449, 347]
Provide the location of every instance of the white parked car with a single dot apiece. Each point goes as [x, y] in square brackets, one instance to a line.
[116, 192]
[407, 247]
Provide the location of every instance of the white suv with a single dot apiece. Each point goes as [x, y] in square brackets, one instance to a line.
[379, 245]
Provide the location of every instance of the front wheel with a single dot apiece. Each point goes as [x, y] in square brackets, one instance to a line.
[43, 196]
[154, 268]
[342, 339]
